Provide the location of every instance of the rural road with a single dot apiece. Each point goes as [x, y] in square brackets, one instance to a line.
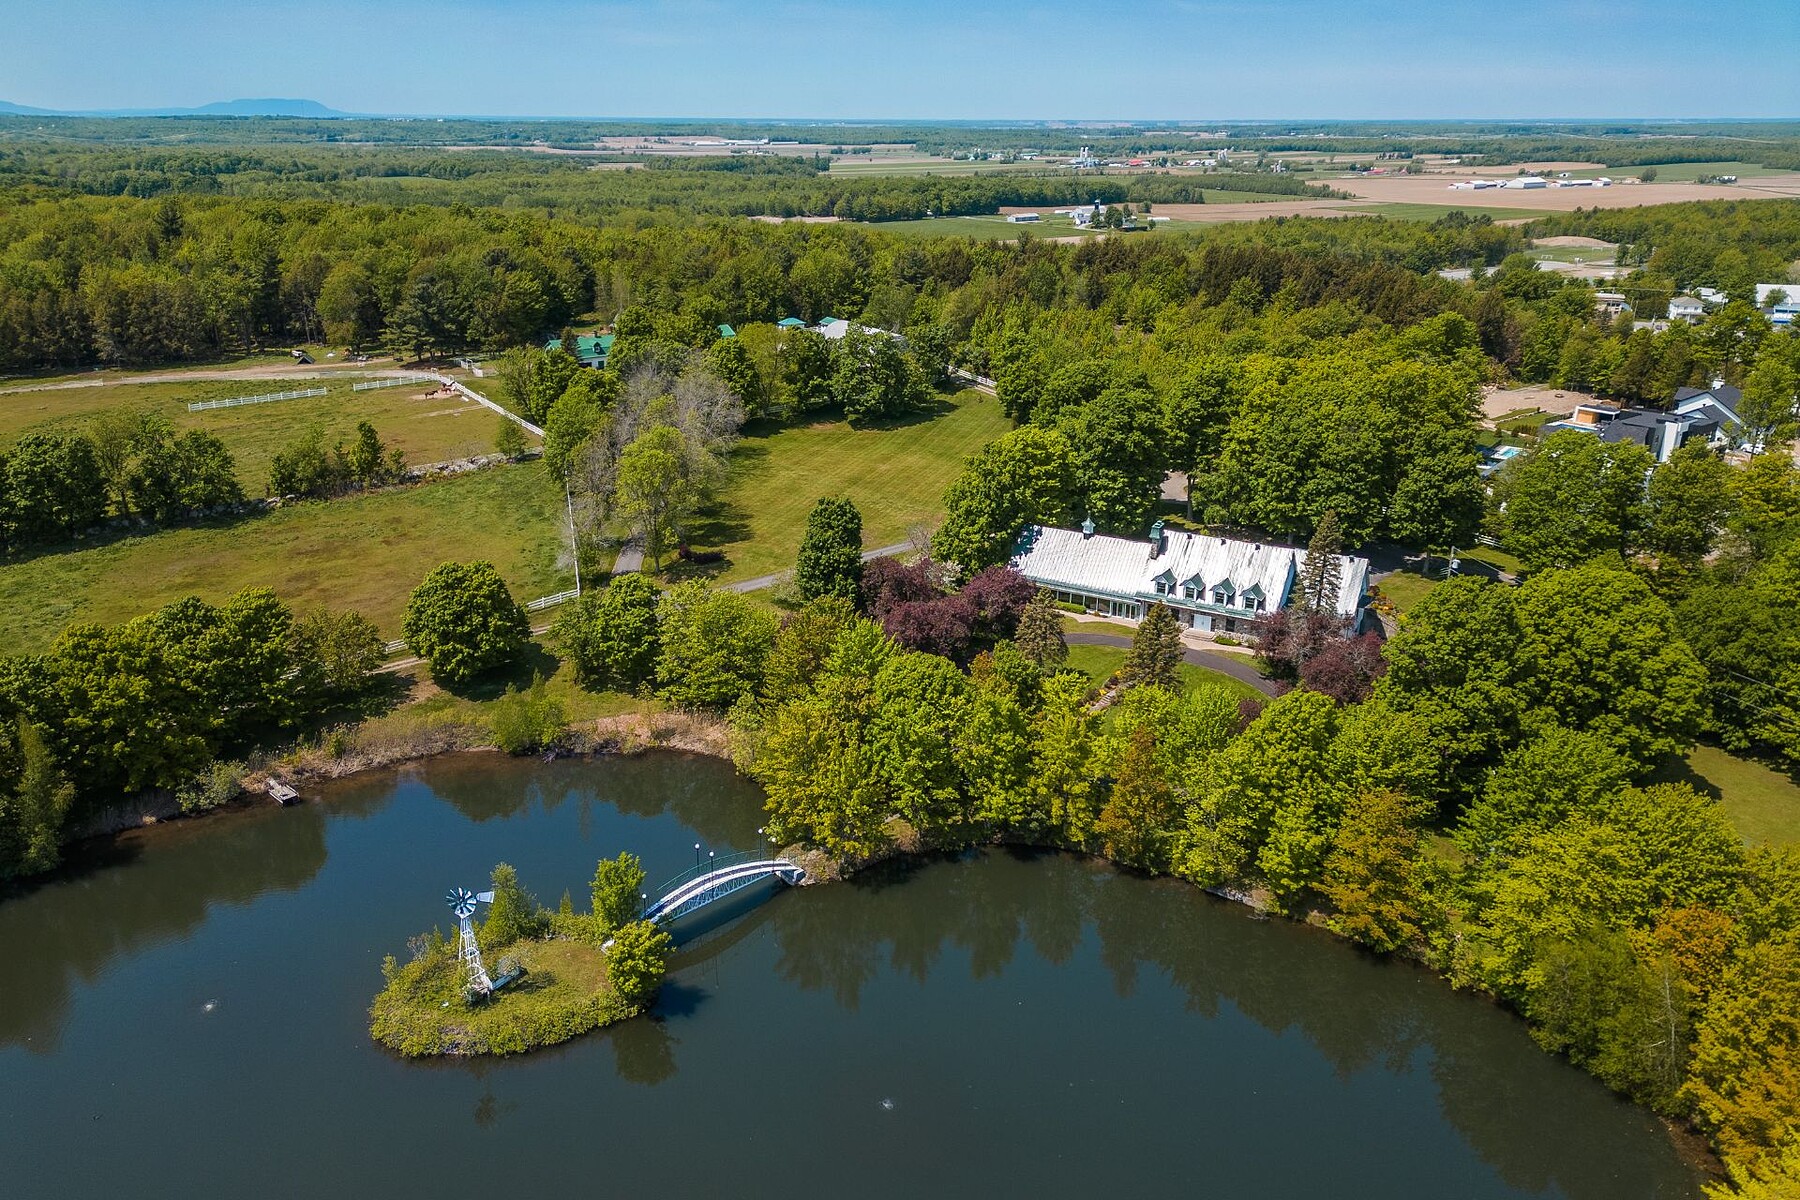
[1226, 664]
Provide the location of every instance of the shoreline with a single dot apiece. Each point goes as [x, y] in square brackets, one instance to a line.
[632, 734]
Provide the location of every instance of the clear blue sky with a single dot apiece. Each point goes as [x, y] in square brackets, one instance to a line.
[1046, 59]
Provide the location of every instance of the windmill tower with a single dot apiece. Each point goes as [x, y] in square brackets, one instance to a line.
[462, 902]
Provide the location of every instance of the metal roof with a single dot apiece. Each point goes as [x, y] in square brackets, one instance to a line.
[1128, 567]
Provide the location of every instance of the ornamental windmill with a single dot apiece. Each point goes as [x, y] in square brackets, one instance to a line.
[462, 902]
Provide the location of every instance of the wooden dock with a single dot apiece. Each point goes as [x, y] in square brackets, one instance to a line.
[281, 793]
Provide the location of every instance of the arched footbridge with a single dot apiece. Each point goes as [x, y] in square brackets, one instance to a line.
[710, 882]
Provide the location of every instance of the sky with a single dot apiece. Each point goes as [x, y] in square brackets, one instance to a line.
[925, 59]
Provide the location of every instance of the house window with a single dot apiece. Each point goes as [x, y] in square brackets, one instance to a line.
[1162, 587]
[1221, 596]
[1190, 592]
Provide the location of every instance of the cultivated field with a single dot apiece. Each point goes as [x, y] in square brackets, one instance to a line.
[362, 552]
[1435, 190]
[426, 424]
[896, 475]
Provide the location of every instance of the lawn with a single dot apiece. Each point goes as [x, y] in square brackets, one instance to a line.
[1763, 803]
[1099, 662]
[427, 426]
[1405, 589]
[363, 552]
[896, 475]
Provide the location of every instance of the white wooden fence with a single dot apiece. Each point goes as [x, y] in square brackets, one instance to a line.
[370, 385]
[482, 400]
[238, 401]
[543, 602]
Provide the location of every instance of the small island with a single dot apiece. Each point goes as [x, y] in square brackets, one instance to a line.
[556, 974]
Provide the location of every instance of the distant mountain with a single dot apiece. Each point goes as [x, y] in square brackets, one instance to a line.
[265, 108]
[221, 108]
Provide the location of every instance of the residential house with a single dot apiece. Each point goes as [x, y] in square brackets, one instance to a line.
[1780, 302]
[1710, 415]
[1686, 308]
[1212, 583]
[591, 350]
[1611, 303]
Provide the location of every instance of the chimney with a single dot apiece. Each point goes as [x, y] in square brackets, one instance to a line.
[1156, 535]
[1087, 529]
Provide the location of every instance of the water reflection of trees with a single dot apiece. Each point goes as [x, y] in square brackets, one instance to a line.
[118, 898]
[703, 793]
[1541, 1127]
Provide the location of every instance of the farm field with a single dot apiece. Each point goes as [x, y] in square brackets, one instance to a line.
[896, 475]
[1399, 211]
[362, 552]
[424, 426]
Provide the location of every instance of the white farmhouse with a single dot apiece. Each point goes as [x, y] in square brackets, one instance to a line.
[1215, 584]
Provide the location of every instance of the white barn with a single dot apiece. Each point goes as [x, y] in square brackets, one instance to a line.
[1214, 584]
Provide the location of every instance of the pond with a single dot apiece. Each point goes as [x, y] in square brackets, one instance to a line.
[184, 1014]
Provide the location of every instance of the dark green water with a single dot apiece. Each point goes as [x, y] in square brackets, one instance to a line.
[184, 1016]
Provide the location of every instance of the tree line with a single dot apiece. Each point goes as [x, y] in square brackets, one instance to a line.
[129, 465]
[161, 703]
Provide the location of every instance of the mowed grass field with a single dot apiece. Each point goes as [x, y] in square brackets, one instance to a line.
[1099, 663]
[426, 427]
[1763, 803]
[896, 475]
[363, 552]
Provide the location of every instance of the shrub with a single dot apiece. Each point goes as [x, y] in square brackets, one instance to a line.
[526, 721]
[221, 784]
[636, 960]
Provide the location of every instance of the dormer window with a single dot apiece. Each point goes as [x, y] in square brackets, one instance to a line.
[1223, 592]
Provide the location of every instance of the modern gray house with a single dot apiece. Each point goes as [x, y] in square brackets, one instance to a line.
[1214, 584]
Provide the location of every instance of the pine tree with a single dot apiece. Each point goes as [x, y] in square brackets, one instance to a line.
[1040, 634]
[1155, 650]
[830, 559]
[1135, 824]
[31, 820]
[1323, 573]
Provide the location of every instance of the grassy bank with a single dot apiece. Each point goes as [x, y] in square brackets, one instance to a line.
[363, 552]
[896, 474]
[564, 993]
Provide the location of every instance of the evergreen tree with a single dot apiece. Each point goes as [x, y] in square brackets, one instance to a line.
[830, 559]
[31, 819]
[1139, 815]
[1040, 633]
[1323, 572]
[512, 915]
[1155, 650]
